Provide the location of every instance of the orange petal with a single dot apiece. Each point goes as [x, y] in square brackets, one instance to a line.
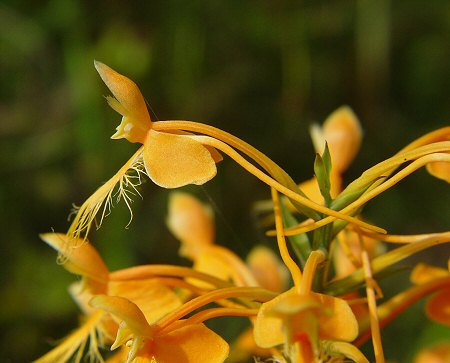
[312, 191]
[124, 310]
[191, 222]
[267, 269]
[190, 344]
[440, 170]
[209, 263]
[335, 317]
[131, 104]
[224, 264]
[173, 161]
[268, 329]
[438, 307]
[336, 183]
[153, 299]
[342, 131]
[217, 156]
[125, 91]
[82, 260]
[338, 321]
[300, 324]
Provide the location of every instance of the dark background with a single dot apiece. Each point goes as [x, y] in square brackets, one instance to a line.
[262, 70]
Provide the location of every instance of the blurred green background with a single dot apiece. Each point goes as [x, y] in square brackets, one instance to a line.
[262, 70]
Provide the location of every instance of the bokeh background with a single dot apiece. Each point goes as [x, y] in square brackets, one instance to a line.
[262, 70]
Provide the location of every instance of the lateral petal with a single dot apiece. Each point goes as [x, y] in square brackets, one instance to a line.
[267, 268]
[268, 329]
[124, 310]
[153, 299]
[83, 259]
[173, 161]
[191, 222]
[338, 321]
[191, 344]
[209, 263]
[440, 170]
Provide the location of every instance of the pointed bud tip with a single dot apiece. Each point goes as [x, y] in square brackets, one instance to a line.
[102, 70]
[98, 65]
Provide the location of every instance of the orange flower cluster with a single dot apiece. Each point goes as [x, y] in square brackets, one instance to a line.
[302, 298]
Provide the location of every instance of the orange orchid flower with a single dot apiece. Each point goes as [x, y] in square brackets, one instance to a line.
[303, 320]
[191, 343]
[149, 289]
[175, 338]
[171, 160]
[177, 153]
[154, 298]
